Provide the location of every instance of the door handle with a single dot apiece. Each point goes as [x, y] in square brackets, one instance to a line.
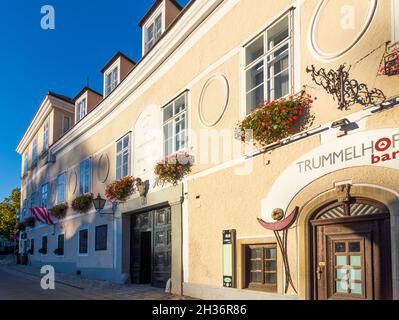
[319, 270]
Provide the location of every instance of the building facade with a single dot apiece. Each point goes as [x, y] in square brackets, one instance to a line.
[311, 215]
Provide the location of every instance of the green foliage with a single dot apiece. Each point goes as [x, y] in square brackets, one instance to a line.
[8, 214]
[59, 211]
[82, 203]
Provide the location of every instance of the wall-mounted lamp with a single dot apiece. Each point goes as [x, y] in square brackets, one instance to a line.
[99, 204]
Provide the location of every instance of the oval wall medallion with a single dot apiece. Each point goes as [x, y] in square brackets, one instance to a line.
[213, 100]
[103, 168]
[73, 181]
[315, 47]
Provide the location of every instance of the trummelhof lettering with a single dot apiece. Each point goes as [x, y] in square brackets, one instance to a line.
[48, 280]
[384, 149]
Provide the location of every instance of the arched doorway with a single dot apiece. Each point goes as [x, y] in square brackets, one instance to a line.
[350, 248]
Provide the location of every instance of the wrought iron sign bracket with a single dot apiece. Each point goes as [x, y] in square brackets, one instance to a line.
[344, 90]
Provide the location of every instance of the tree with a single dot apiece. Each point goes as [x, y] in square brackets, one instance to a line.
[8, 214]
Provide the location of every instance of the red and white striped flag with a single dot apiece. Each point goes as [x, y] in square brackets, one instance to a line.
[42, 215]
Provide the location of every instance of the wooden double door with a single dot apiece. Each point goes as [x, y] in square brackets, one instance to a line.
[151, 247]
[351, 252]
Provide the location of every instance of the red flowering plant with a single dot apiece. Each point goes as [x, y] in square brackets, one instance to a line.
[120, 190]
[390, 67]
[276, 120]
[173, 168]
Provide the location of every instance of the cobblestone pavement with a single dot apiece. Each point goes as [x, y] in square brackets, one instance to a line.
[23, 282]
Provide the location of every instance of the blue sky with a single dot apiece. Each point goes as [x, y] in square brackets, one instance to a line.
[34, 61]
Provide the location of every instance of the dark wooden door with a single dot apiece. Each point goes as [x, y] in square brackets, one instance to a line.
[151, 247]
[162, 247]
[145, 257]
[351, 252]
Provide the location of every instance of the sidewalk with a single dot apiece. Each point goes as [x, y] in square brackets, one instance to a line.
[101, 290]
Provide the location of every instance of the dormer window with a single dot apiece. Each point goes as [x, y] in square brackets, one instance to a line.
[158, 19]
[81, 109]
[153, 32]
[111, 80]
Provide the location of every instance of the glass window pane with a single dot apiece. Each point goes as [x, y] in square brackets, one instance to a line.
[254, 50]
[356, 274]
[255, 76]
[168, 112]
[256, 253]
[278, 33]
[342, 287]
[254, 98]
[278, 86]
[256, 265]
[342, 274]
[270, 265]
[119, 146]
[340, 247]
[125, 170]
[256, 277]
[271, 278]
[180, 104]
[355, 261]
[354, 247]
[356, 288]
[271, 253]
[125, 142]
[341, 260]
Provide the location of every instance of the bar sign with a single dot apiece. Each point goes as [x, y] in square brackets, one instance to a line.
[228, 258]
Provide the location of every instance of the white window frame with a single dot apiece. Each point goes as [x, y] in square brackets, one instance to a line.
[78, 112]
[41, 244]
[116, 64]
[34, 151]
[58, 186]
[172, 119]
[290, 40]
[121, 153]
[25, 163]
[150, 21]
[47, 192]
[46, 127]
[90, 177]
[63, 123]
[32, 199]
[88, 242]
[61, 234]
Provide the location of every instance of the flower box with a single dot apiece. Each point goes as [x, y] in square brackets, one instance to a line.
[173, 168]
[120, 190]
[59, 211]
[276, 120]
[42, 251]
[82, 204]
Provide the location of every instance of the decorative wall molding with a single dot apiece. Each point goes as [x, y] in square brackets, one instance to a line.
[314, 47]
[103, 167]
[201, 106]
[72, 182]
